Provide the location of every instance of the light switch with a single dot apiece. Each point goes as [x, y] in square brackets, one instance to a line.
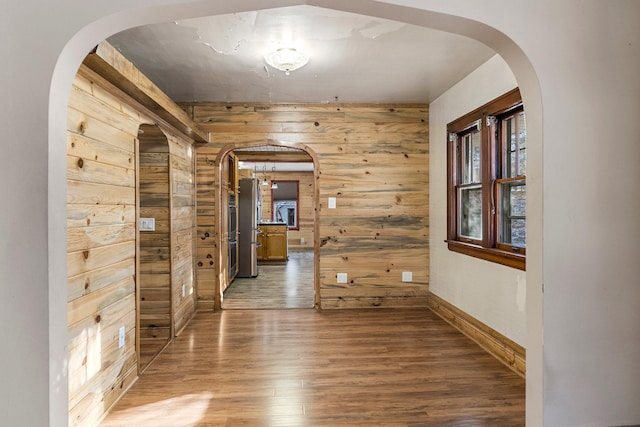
[341, 278]
[332, 202]
[407, 276]
[121, 337]
[147, 224]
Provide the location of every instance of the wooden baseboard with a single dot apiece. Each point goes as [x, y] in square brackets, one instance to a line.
[502, 348]
[372, 302]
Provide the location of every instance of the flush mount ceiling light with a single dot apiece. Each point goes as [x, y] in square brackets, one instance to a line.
[286, 59]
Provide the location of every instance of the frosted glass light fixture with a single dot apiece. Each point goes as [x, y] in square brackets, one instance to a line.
[286, 59]
[274, 185]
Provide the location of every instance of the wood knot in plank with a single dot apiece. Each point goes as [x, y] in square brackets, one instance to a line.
[85, 254]
[98, 318]
[80, 163]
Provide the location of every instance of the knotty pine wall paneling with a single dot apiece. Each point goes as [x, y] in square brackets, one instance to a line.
[373, 159]
[101, 233]
[102, 130]
[208, 200]
[155, 246]
[183, 223]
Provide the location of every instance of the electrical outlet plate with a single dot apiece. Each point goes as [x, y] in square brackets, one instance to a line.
[407, 276]
[121, 337]
[147, 224]
[341, 278]
[332, 202]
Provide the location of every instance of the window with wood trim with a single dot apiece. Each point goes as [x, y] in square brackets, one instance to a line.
[487, 158]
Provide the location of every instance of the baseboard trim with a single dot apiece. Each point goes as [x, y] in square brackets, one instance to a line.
[502, 348]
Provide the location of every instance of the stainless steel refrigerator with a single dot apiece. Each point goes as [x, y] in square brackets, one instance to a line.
[248, 209]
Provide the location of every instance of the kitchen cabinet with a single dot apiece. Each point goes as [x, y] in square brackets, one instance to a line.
[273, 243]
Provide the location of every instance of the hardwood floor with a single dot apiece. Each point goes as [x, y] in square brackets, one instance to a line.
[384, 367]
[277, 286]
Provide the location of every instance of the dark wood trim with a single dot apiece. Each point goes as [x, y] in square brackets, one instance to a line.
[514, 260]
[486, 248]
[498, 106]
[510, 353]
[452, 197]
[489, 164]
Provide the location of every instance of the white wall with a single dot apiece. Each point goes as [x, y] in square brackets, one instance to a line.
[577, 63]
[492, 293]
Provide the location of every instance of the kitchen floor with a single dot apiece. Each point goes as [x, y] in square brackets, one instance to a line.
[277, 286]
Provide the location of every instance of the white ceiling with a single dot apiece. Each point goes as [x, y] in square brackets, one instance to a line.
[354, 58]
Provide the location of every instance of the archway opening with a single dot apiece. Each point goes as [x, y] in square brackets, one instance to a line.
[530, 92]
[276, 225]
[154, 314]
[301, 286]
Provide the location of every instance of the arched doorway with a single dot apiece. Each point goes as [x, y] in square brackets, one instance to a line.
[276, 230]
[451, 23]
[154, 314]
[224, 186]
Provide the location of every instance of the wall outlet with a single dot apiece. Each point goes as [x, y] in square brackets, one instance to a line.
[302, 240]
[184, 290]
[121, 337]
[147, 224]
[341, 278]
[407, 276]
[332, 202]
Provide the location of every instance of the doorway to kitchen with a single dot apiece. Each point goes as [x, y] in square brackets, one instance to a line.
[283, 180]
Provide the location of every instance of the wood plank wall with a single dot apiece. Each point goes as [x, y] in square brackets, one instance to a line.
[102, 130]
[155, 246]
[305, 206]
[372, 158]
[183, 225]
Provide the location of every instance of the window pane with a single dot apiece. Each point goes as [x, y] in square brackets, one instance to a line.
[514, 142]
[470, 158]
[522, 144]
[470, 211]
[285, 211]
[513, 210]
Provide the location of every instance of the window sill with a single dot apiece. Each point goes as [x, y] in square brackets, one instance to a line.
[489, 254]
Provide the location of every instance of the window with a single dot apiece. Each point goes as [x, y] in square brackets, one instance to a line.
[487, 188]
[285, 203]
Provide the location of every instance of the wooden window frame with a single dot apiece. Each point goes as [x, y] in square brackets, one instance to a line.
[491, 151]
